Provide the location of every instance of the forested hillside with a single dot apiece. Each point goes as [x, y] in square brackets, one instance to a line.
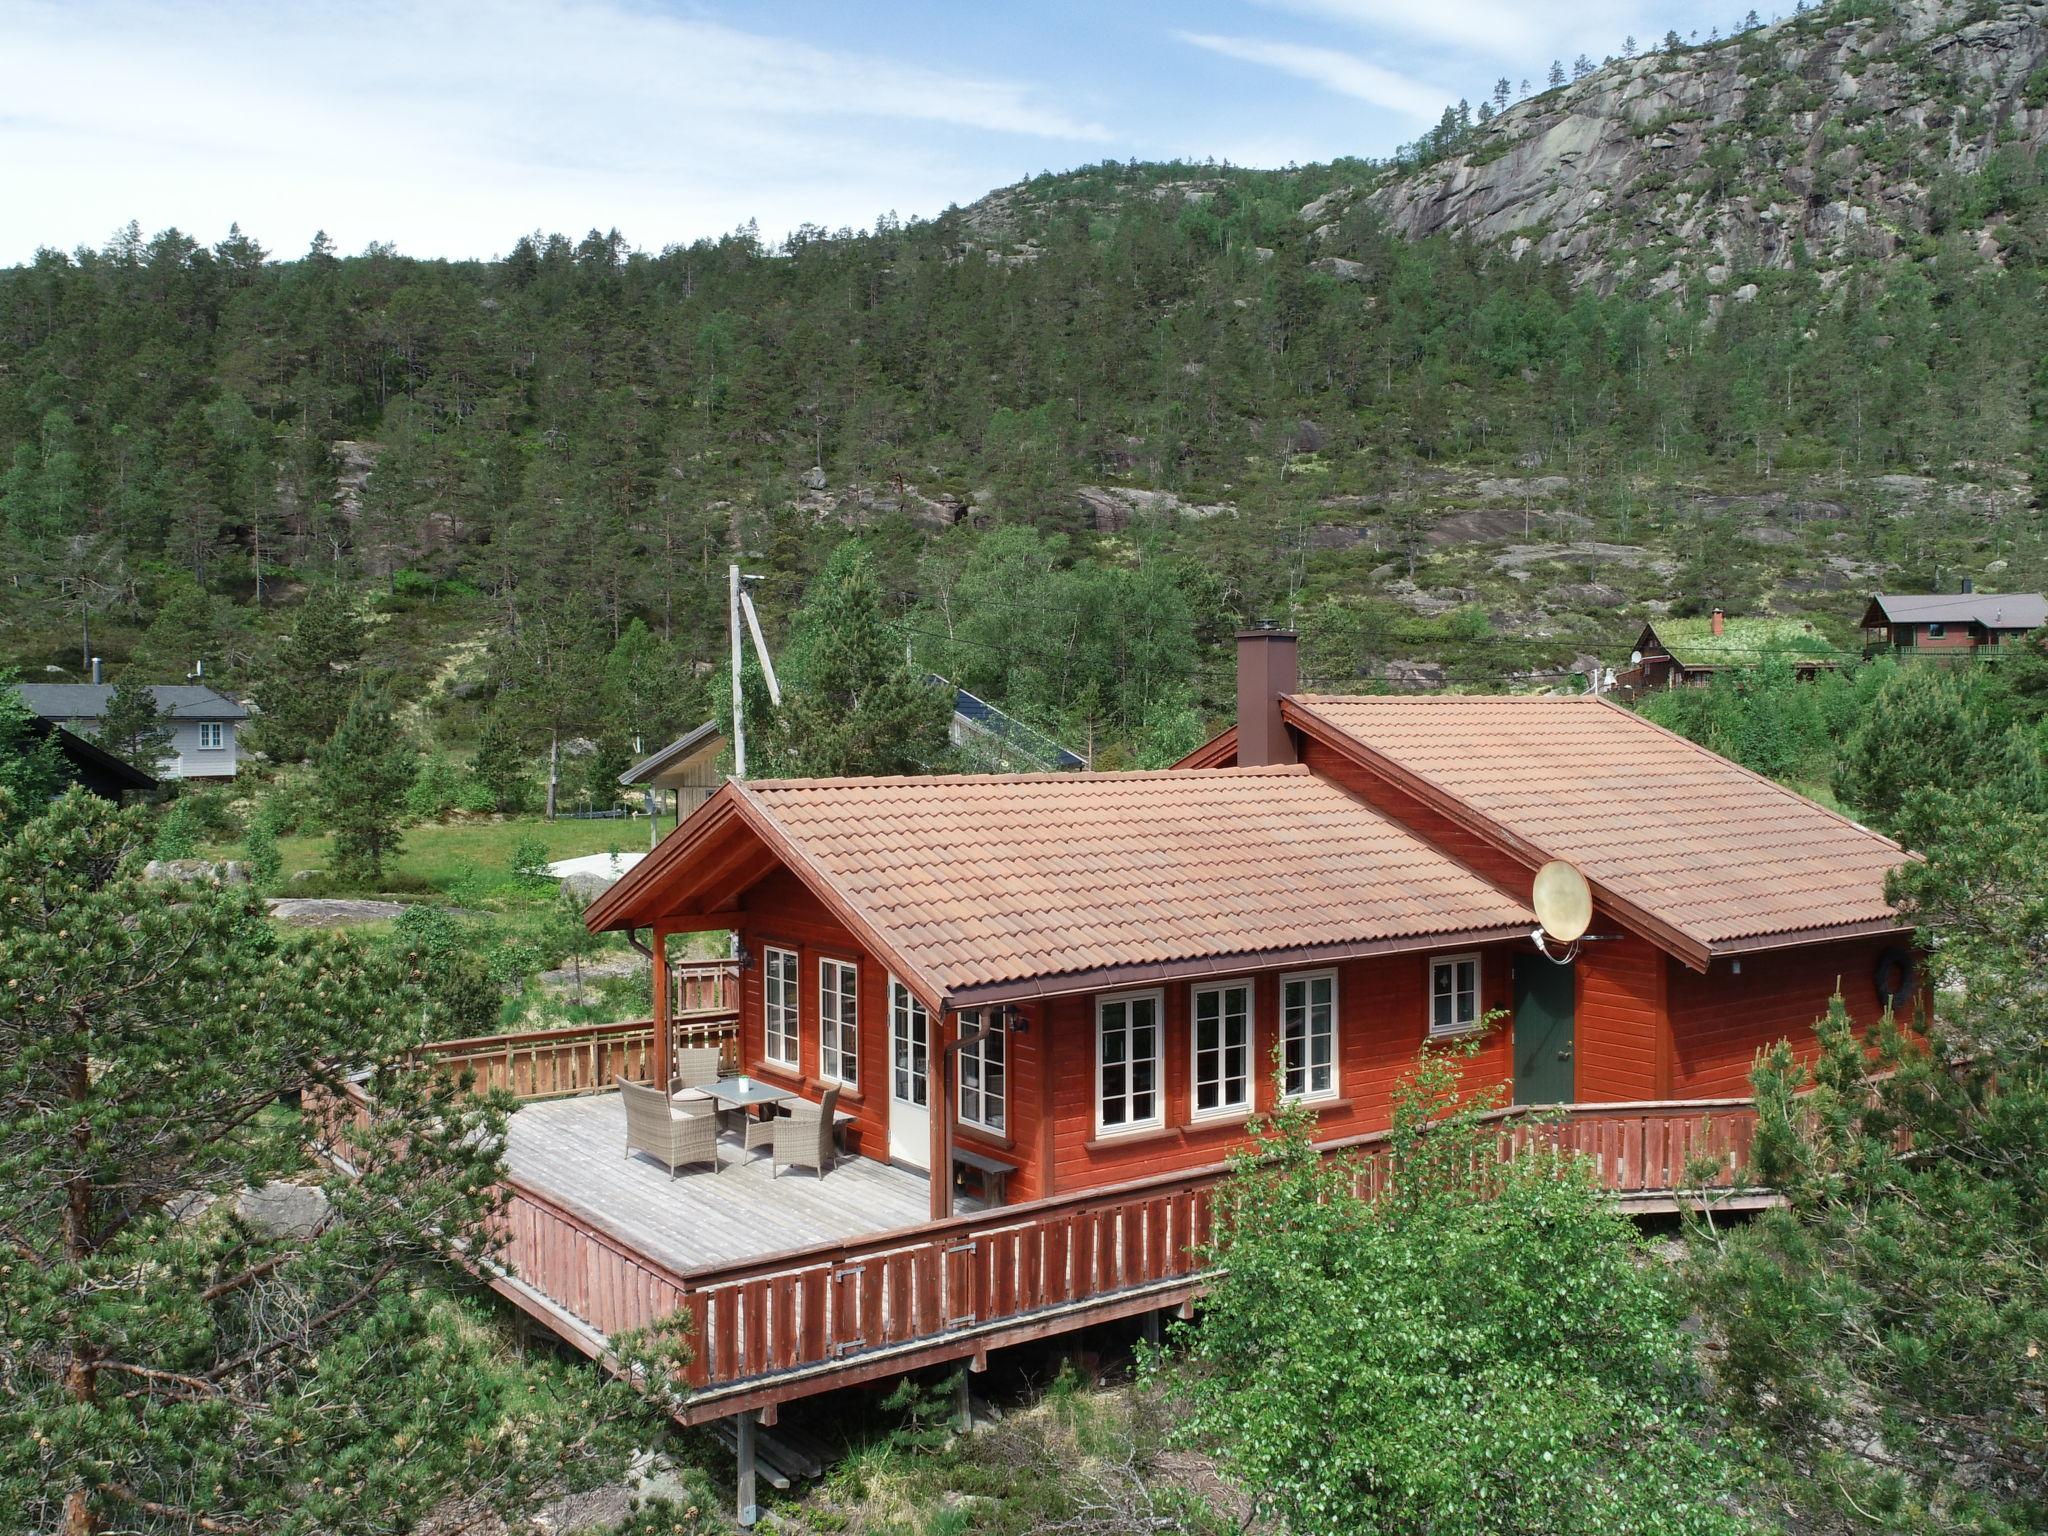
[1086, 426]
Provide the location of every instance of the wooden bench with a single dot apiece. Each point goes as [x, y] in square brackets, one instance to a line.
[994, 1172]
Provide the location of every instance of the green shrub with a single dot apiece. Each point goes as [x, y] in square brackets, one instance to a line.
[435, 789]
[265, 858]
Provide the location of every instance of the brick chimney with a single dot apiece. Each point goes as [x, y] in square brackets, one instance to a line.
[1268, 665]
[1719, 621]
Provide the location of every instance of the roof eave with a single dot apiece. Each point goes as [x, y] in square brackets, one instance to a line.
[1141, 973]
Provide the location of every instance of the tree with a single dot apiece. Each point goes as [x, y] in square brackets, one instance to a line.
[361, 777]
[1485, 1349]
[31, 767]
[313, 676]
[853, 705]
[1556, 74]
[1924, 719]
[1883, 1329]
[1581, 67]
[501, 764]
[133, 728]
[176, 1362]
[551, 675]
[1173, 728]
[1502, 92]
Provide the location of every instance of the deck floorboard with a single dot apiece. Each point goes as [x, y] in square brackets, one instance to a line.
[574, 1150]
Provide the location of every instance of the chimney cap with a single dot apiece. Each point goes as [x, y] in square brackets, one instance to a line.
[1258, 627]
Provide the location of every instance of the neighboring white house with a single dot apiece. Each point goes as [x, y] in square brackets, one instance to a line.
[203, 723]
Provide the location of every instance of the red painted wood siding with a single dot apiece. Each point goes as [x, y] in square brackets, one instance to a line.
[1622, 1040]
[1721, 1019]
[1469, 849]
[1381, 1025]
[782, 912]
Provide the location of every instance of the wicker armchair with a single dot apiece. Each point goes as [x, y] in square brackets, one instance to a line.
[696, 1065]
[803, 1137]
[668, 1132]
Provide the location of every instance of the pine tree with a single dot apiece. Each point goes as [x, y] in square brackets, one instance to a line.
[31, 767]
[313, 677]
[1556, 73]
[853, 704]
[173, 1365]
[361, 777]
[133, 728]
[501, 764]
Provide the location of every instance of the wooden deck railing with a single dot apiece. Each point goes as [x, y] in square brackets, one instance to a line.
[806, 1312]
[586, 1058]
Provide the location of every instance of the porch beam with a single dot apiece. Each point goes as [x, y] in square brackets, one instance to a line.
[662, 1054]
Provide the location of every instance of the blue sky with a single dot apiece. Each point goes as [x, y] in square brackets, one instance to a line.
[447, 128]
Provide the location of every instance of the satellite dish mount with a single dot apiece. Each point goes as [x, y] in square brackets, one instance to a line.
[1564, 911]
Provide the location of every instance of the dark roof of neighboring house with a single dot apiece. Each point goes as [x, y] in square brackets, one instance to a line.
[1994, 610]
[684, 746]
[1027, 739]
[1701, 854]
[1742, 642]
[88, 701]
[979, 887]
[92, 764]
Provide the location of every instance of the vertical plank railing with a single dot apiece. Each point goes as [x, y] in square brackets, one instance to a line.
[812, 1307]
[579, 1059]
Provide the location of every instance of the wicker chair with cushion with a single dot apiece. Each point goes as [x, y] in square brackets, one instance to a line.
[672, 1134]
[696, 1065]
[803, 1137]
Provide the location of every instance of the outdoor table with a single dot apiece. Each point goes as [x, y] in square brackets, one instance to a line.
[730, 1095]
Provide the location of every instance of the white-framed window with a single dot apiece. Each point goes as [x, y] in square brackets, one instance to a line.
[910, 1044]
[839, 1021]
[1936, 631]
[211, 735]
[1308, 1035]
[781, 1043]
[1128, 1091]
[1220, 1026]
[1453, 994]
[984, 1095]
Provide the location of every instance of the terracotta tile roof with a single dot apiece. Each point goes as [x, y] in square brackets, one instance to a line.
[1727, 859]
[1004, 884]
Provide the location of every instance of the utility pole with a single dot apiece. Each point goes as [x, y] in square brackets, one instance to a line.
[739, 726]
[740, 606]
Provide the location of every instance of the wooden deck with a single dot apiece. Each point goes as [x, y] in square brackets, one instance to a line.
[573, 1151]
[794, 1285]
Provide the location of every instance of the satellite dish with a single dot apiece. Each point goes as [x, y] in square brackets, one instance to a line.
[1563, 902]
[1635, 658]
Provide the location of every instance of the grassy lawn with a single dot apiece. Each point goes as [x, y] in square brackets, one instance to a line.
[436, 855]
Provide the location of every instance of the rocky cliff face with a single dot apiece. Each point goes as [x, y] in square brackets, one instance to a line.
[1844, 137]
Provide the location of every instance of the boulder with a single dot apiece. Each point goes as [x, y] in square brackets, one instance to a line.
[813, 478]
[1336, 266]
[278, 1210]
[197, 871]
[1324, 206]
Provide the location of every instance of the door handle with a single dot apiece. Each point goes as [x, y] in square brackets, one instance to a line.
[1564, 1055]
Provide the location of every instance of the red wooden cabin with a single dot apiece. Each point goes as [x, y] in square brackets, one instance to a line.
[1089, 978]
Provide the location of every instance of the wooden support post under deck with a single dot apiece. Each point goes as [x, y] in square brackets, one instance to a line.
[939, 1080]
[963, 1402]
[749, 1509]
[663, 1056]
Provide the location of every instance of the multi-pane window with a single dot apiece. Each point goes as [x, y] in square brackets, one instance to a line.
[838, 1021]
[910, 1030]
[1222, 1026]
[984, 1072]
[1127, 1062]
[778, 1006]
[1453, 994]
[1308, 1035]
[210, 734]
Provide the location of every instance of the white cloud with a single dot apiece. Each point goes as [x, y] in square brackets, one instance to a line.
[1491, 26]
[1335, 70]
[451, 127]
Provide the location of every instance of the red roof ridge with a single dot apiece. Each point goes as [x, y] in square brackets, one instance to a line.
[1080, 776]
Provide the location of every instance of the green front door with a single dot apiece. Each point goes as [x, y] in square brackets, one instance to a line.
[1543, 1031]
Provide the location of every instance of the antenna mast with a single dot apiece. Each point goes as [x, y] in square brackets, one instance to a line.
[739, 604]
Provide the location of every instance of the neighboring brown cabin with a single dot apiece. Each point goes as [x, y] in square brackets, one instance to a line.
[1950, 626]
[1689, 653]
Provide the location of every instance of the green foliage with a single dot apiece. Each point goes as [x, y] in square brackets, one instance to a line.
[177, 833]
[31, 767]
[362, 775]
[1488, 1349]
[171, 1365]
[1173, 728]
[501, 766]
[315, 675]
[851, 704]
[133, 729]
[530, 859]
[264, 857]
[436, 788]
[1923, 723]
[441, 955]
